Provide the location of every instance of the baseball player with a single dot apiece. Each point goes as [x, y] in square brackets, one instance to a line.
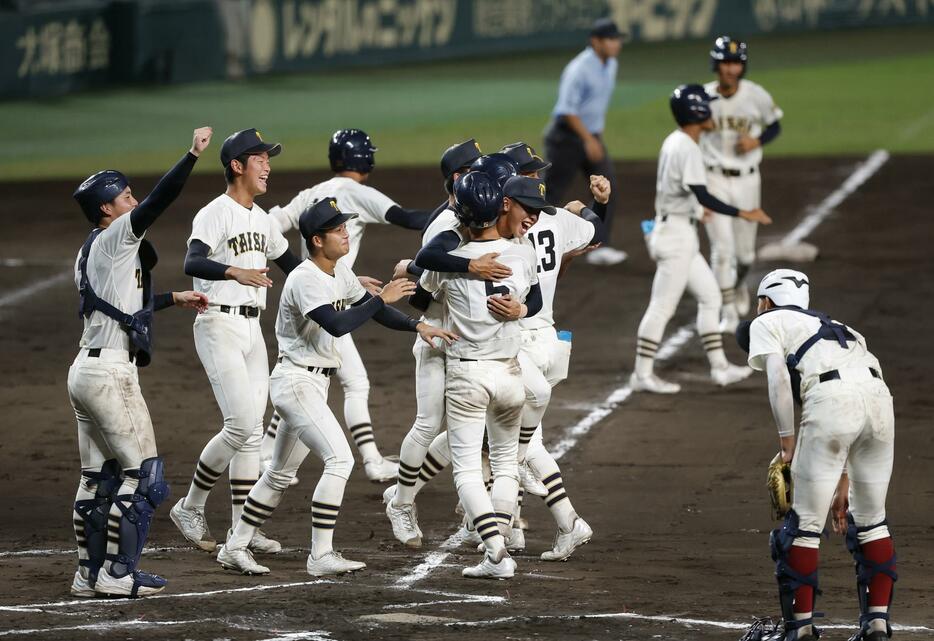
[455, 160]
[351, 154]
[231, 240]
[842, 460]
[745, 119]
[681, 195]
[321, 301]
[122, 480]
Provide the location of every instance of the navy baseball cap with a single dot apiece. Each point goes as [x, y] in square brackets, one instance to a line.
[459, 156]
[525, 157]
[605, 28]
[530, 192]
[323, 215]
[248, 141]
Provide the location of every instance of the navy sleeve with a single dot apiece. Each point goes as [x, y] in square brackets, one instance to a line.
[198, 265]
[392, 318]
[710, 201]
[421, 299]
[770, 133]
[161, 301]
[534, 300]
[338, 323]
[434, 256]
[414, 270]
[168, 189]
[287, 261]
[599, 229]
[408, 218]
[599, 209]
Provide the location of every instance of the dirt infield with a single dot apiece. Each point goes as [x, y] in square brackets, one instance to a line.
[672, 486]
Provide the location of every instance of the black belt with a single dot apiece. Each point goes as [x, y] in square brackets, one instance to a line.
[96, 353]
[324, 371]
[693, 221]
[732, 173]
[834, 375]
[466, 360]
[243, 310]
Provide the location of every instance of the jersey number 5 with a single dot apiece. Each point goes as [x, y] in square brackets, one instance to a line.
[546, 240]
[492, 290]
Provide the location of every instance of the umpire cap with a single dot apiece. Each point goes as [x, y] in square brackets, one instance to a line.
[530, 192]
[690, 104]
[459, 156]
[524, 156]
[98, 189]
[248, 141]
[322, 216]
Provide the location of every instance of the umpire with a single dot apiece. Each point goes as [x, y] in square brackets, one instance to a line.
[574, 137]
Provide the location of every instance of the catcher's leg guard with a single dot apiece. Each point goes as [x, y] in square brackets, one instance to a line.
[866, 569]
[94, 514]
[789, 579]
[137, 510]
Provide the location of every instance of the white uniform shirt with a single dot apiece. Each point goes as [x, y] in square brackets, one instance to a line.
[301, 340]
[445, 221]
[115, 275]
[482, 336]
[748, 111]
[553, 237]
[351, 196]
[680, 164]
[238, 237]
[783, 332]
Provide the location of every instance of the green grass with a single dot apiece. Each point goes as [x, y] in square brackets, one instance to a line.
[842, 93]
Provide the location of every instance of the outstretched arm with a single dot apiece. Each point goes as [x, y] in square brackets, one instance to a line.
[187, 299]
[408, 218]
[198, 265]
[287, 261]
[435, 257]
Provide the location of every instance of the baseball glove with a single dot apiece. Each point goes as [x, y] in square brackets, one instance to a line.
[778, 480]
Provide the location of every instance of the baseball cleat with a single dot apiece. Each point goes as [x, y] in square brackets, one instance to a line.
[606, 256]
[567, 542]
[135, 584]
[404, 520]
[261, 544]
[240, 560]
[487, 569]
[192, 525]
[81, 587]
[469, 536]
[381, 470]
[730, 374]
[515, 542]
[653, 384]
[332, 563]
[528, 481]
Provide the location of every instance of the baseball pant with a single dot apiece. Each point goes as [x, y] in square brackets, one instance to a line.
[356, 385]
[732, 239]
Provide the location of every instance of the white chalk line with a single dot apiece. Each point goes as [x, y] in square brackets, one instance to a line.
[21, 294]
[148, 550]
[110, 625]
[33, 262]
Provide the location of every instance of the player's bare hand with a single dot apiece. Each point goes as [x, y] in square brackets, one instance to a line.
[429, 334]
[249, 277]
[840, 505]
[372, 285]
[506, 307]
[707, 216]
[191, 300]
[574, 253]
[600, 188]
[575, 207]
[745, 144]
[488, 268]
[593, 149]
[788, 448]
[756, 216]
[401, 270]
[396, 290]
[202, 139]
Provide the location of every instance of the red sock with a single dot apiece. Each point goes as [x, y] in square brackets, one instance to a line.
[880, 588]
[804, 562]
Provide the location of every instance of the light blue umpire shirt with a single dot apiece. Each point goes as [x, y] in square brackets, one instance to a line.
[586, 87]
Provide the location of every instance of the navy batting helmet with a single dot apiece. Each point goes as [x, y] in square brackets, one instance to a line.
[478, 199]
[726, 49]
[498, 166]
[690, 104]
[98, 189]
[351, 150]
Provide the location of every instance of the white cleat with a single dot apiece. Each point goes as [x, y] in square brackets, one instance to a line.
[381, 469]
[606, 256]
[515, 542]
[529, 483]
[240, 560]
[332, 563]
[653, 384]
[470, 536]
[261, 544]
[404, 520]
[193, 526]
[566, 543]
[135, 584]
[487, 569]
[730, 374]
[729, 320]
[742, 299]
[81, 587]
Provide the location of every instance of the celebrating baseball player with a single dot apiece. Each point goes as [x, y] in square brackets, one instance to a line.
[352, 157]
[745, 119]
[841, 460]
[121, 473]
[231, 240]
[322, 300]
[681, 195]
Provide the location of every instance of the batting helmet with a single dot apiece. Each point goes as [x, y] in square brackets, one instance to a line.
[478, 199]
[498, 166]
[98, 189]
[786, 287]
[690, 104]
[726, 49]
[351, 150]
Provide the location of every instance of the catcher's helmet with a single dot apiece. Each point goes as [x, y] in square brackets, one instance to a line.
[690, 104]
[726, 49]
[98, 189]
[477, 200]
[351, 150]
[786, 287]
[498, 166]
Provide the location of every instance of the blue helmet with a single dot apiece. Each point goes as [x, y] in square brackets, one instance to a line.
[498, 166]
[690, 104]
[477, 200]
[726, 49]
[351, 150]
[98, 189]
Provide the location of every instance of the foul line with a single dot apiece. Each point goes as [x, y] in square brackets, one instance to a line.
[28, 291]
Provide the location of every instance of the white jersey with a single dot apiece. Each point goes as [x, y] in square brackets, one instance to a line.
[352, 197]
[445, 221]
[748, 111]
[115, 275]
[680, 164]
[553, 237]
[782, 332]
[301, 340]
[482, 336]
[238, 237]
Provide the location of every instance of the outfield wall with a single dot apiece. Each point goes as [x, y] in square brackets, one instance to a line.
[57, 48]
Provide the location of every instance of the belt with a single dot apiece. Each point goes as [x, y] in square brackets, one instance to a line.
[324, 371]
[242, 310]
[834, 375]
[732, 173]
[466, 360]
[96, 353]
[693, 221]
